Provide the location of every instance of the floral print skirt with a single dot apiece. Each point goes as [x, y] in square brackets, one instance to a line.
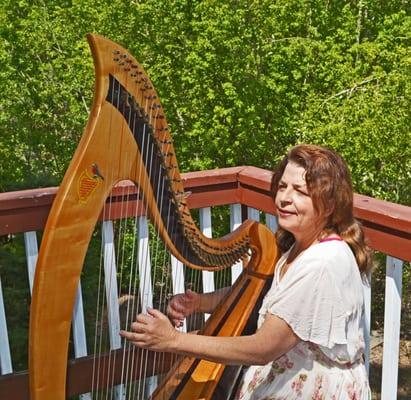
[302, 375]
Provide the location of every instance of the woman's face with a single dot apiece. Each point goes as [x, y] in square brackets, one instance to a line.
[295, 208]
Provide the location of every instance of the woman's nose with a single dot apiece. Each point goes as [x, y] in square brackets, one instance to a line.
[284, 202]
[284, 196]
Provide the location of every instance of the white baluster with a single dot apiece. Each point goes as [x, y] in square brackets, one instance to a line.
[145, 282]
[5, 356]
[32, 250]
[235, 222]
[144, 265]
[206, 228]
[79, 328]
[177, 276]
[272, 222]
[110, 281]
[111, 290]
[392, 321]
[253, 213]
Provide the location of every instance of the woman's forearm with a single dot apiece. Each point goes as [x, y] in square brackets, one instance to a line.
[241, 350]
[209, 301]
[271, 341]
[154, 331]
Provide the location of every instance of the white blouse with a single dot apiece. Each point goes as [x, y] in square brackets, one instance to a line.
[321, 298]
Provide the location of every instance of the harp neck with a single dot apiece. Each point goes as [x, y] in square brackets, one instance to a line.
[124, 84]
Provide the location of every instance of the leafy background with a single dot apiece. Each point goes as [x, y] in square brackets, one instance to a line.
[241, 81]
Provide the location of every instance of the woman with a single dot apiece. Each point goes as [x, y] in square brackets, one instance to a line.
[309, 342]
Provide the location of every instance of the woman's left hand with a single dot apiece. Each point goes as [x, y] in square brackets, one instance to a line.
[152, 331]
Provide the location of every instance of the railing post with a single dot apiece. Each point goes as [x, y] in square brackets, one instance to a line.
[271, 222]
[31, 249]
[146, 286]
[177, 276]
[208, 276]
[110, 280]
[253, 213]
[5, 357]
[235, 222]
[144, 265]
[392, 321]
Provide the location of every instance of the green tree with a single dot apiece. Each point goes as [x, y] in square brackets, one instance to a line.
[240, 81]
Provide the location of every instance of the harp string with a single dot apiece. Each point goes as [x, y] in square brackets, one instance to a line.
[165, 264]
[127, 261]
[137, 298]
[133, 298]
[97, 328]
[135, 294]
[119, 262]
[147, 153]
[114, 341]
[149, 156]
[164, 279]
[99, 325]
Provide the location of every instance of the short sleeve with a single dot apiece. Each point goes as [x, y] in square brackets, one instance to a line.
[309, 301]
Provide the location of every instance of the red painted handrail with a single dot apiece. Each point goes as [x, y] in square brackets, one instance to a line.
[387, 225]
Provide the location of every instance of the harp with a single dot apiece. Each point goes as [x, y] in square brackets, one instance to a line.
[127, 138]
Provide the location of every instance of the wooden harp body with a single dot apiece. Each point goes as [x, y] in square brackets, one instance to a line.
[127, 138]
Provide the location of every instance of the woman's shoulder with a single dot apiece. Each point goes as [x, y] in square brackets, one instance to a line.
[333, 259]
[329, 253]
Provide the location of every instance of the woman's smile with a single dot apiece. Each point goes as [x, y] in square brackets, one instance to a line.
[285, 213]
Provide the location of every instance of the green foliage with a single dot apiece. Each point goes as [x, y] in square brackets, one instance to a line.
[16, 294]
[240, 81]
[367, 119]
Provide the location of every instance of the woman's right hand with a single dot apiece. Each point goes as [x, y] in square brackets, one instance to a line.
[182, 305]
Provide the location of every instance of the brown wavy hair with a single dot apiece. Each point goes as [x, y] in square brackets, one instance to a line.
[329, 186]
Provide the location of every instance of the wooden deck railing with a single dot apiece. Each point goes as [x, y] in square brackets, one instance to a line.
[246, 191]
